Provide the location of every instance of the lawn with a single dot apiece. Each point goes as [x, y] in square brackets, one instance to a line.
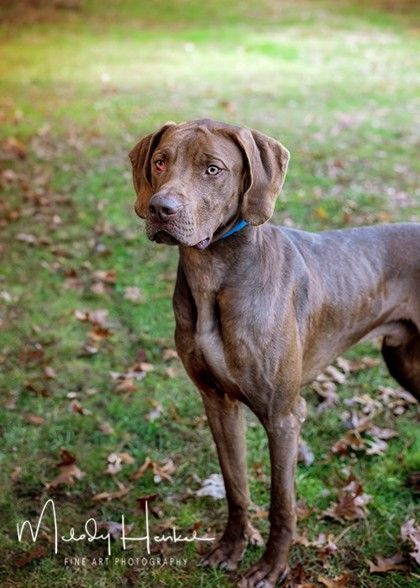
[86, 325]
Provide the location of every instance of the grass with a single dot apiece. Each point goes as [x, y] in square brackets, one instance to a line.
[337, 85]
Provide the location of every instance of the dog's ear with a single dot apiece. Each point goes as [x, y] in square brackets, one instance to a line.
[140, 160]
[266, 165]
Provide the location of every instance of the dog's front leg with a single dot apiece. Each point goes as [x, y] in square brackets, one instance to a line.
[283, 437]
[226, 422]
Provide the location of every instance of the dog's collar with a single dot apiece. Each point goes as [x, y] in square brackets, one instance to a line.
[237, 227]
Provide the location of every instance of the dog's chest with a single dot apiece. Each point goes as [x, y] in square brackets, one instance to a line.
[208, 341]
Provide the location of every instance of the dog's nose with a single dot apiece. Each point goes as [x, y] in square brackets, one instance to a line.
[164, 207]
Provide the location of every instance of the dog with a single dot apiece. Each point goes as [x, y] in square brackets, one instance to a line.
[261, 310]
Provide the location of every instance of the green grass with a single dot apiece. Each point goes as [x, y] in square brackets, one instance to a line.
[337, 85]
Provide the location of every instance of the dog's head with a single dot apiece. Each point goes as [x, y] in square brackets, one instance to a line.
[194, 179]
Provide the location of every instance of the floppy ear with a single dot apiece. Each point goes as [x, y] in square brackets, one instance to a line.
[267, 162]
[140, 160]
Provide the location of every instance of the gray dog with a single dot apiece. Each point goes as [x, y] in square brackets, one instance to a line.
[261, 310]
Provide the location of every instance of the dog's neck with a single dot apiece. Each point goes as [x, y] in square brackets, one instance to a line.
[227, 257]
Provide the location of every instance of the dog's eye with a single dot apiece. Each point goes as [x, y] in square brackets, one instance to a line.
[212, 170]
[160, 165]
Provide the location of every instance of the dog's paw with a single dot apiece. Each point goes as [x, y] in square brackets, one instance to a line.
[264, 575]
[225, 555]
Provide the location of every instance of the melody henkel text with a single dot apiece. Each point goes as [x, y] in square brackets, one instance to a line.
[90, 532]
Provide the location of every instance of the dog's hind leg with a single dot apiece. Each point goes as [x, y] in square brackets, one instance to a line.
[403, 358]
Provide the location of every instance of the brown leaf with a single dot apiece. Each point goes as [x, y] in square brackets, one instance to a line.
[351, 504]
[327, 391]
[37, 552]
[335, 374]
[14, 147]
[303, 511]
[143, 366]
[50, 372]
[357, 365]
[99, 333]
[396, 399]
[171, 372]
[161, 472]
[341, 581]
[388, 564]
[77, 408]
[254, 536]
[34, 419]
[106, 428]
[141, 501]
[68, 474]
[142, 469]
[351, 439]
[126, 385]
[169, 354]
[107, 276]
[95, 317]
[108, 496]
[67, 458]
[410, 533]
[16, 474]
[116, 461]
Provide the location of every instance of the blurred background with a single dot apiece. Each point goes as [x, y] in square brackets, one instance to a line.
[91, 385]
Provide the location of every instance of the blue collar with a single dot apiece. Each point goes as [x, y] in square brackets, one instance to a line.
[238, 227]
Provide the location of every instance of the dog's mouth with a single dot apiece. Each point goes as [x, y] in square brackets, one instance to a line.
[168, 239]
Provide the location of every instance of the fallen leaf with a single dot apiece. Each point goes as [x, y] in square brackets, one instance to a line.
[34, 419]
[154, 510]
[16, 474]
[376, 446]
[115, 529]
[327, 391]
[14, 147]
[171, 372]
[351, 439]
[106, 428]
[357, 365]
[155, 413]
[352, 503]
[133, 293]
[49, 372]
[68, 474]
[27, 238]
[341, 581]
[164, 471]
[77, 408]
[305, 453]
[335, 374]
[410, 533]
[388, 564]
[69, 471]
[142, 469]
[116, 461]
[169, 354]
[303, 511]
[213, 486]
[37, 552]
[108, 496]
[396, 400]
[107, 276]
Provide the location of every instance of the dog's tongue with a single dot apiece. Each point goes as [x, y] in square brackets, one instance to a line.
[202, 244]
